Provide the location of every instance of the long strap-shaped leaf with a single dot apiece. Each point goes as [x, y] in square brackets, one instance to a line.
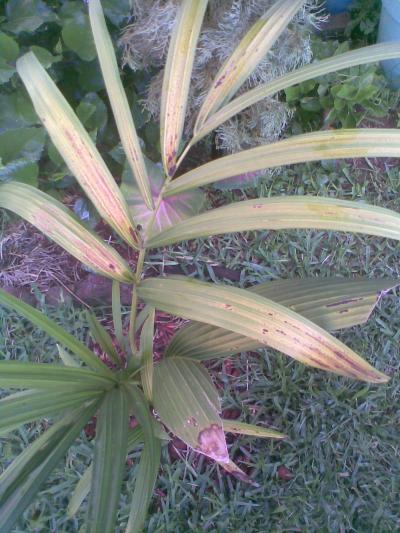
[261, 319]
[361, 56]
[82, 489]
[149, 462]
[20, 482]
[331, 303]
[59, 224]
[177, 75]
[285, 212]
[118, 100]
[19, 375]
[76, 147]
[55, 331]
[111, 448]
[250, 51]
[103, 338]
[241, 428]
[146, 348]
[332, 144]
[149, 466]
[187, 402]
[26, 406]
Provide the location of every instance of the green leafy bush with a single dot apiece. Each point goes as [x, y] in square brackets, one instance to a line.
[342, 99]
[59, 35]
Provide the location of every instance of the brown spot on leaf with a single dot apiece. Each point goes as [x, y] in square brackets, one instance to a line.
[191, 421]
[212, 443]
[228, 307]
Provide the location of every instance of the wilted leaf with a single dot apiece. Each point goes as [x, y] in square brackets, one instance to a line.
[118, 99]
[76, 147]
[59, 224]
[188, 404]
[332, 303]
[285, 212]
[247, 55]
[172, 209]
[360, 56]
[261, 319]
[331, 144]
[177, 77]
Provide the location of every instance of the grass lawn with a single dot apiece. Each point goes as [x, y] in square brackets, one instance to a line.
[339, 471]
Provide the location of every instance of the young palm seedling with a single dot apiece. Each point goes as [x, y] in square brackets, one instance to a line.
[158, 207]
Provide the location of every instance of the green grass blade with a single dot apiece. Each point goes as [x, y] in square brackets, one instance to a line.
[102, 337]
[234, 426]
[60, 225]
[331, 144]
[20, 375]
[76, 147]
[82, 489]
[22, 407]
[146, 348]
[20, 482]
[245, 58]
[118, 100]
[55, 331]
[177, 76]
[259, 318]
[361, 56]
[110, 453]
[331, 303]
[285, 212]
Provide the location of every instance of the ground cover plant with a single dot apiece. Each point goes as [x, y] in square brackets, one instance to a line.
[58, 32]
[196, 418]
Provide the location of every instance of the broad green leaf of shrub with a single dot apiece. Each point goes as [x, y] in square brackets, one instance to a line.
[16, 111]
[45, 57]
[92, 112]
[116, 12]
[9, 48]
[6, 71]
[76, 32]
[23, 142]
[27, 15]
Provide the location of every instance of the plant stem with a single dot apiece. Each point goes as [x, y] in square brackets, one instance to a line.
[116, 313]
[132, 320]
[135, 360]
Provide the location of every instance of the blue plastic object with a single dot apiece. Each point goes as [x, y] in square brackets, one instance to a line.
[337, 6]
[389, 30]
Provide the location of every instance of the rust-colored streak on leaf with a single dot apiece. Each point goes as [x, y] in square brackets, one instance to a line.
[345, 302]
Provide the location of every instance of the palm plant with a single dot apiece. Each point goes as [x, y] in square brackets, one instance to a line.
[161, 208]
